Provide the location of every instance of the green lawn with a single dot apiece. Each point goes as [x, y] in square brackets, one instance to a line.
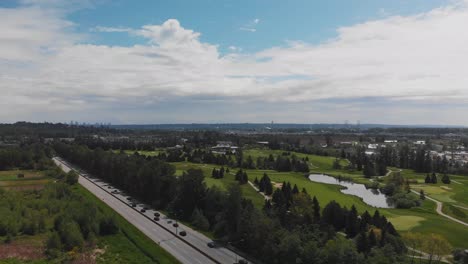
[228, 179]
[422, 219]
[12, 175]
[142, 152]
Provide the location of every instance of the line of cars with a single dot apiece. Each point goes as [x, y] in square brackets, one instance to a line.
[156, 216]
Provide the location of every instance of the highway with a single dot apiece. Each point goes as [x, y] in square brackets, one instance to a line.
[191, 248]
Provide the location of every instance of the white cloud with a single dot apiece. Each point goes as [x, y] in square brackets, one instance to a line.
[235, 49]
[248, 29]
[110, 29]
[44, 66]
[250, 26]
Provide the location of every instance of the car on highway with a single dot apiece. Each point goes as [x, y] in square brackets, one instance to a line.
[143, 210]
[156, 218]
[157, 214]
[211, 244]
[242, 261]
[175, 225]
[133, 204]
[182, 233]
[169, 221]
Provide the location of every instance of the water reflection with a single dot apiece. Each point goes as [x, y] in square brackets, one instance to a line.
[372, 197]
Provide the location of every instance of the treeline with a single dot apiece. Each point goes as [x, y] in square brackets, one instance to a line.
[290, 229]
[283, 162]
[26, 131]
[405, 157]
[34, 156]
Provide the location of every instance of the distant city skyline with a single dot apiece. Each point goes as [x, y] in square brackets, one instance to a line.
[166, 62]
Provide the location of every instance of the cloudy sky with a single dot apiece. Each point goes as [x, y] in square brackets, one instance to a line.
[379, 61]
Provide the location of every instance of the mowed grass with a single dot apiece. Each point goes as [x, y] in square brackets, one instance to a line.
[422, 219]
[406, 222]
[229, 178]
[130, 245]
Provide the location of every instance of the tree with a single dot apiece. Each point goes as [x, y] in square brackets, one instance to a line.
[436, 247]
[434, 178]
[372, 239]
[190, 193]
[108, 226]
[316, 208]
[341, 251]
[71, 178]
[445, 179]
[427, 179]
[415, 242]
[362, 243]
[421, 195]
[199, 220]
[71, 236]
[53, 245]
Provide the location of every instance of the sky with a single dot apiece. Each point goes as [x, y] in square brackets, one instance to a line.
[220, 61]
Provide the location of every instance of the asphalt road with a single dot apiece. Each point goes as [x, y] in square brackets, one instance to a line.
[189, 249]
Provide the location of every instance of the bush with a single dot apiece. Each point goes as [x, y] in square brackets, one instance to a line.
[199, 220]
[71, 178]
[108, 226]
[71, 235]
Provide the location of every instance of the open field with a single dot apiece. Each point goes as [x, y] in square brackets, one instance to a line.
[142, 152]
[423, 219]
[33, 180]
[247, 190]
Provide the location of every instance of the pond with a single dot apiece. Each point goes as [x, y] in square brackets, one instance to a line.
[371, 197]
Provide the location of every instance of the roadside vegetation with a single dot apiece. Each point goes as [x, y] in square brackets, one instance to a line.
[51, 219]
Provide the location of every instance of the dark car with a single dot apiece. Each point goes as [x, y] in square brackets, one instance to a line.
[182, 233]
[156, 218]
[169, 221]
[175, 225]
[242, 261]
[156, 214]
[129, 198]
[143, 210]
[211, 244]
[133, 204]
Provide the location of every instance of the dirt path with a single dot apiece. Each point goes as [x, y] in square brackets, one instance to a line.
[426, 256]
[439, 209]
[459, 206]
[457, 182]
[256, 189]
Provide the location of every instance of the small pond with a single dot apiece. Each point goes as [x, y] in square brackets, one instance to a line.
[369, 196]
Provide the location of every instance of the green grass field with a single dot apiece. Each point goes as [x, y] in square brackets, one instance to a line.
[142, 152]
[32, 180]
[422, 219]
[247, 190]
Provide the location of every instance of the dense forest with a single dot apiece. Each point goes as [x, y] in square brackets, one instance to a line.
[292, 227]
